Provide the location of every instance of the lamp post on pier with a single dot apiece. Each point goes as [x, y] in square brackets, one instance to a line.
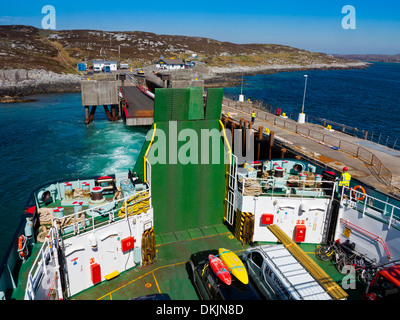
[241, 96]
[302, 116]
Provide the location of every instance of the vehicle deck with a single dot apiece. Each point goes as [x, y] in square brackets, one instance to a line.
[169, 272]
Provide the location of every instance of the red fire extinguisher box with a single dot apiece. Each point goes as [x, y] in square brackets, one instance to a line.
[267, 218]
[96, 272]
[127, 244]
[300, 233]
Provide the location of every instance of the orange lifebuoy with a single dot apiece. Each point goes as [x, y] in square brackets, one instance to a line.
[22, 251]
[362, 190]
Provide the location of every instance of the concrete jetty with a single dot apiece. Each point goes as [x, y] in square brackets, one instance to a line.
[139, 108]
[100, 92]
[370, 163]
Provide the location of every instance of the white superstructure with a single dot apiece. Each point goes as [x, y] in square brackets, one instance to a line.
[94, 245]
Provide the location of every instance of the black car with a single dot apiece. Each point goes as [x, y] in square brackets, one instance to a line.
[210, 287]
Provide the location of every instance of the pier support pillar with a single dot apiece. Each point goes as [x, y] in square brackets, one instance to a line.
[244, 137]
[233, 127]
[260, 130]
[107, 112]
[87, 114]
[271, 143]
[283, 151]
[113, 112]
[92, 112]
[120, 110]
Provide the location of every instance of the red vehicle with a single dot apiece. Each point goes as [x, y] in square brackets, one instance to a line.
[385, 285]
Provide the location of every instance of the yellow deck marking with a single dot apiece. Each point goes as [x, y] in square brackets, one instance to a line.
[142, 276]
[166, 266]
[158, 288]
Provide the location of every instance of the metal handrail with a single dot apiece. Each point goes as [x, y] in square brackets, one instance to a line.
[365, 135]
[48, 250]
[50, 245]
[381, 170]
[369, 203]
[111, 213]
[302, 186]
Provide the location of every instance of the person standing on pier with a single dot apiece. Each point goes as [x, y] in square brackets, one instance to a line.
[253, 117]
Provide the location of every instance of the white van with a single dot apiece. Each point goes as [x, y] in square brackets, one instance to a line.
[96, 69]
[279, 276]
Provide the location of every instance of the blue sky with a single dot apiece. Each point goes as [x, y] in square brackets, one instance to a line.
[308, 24]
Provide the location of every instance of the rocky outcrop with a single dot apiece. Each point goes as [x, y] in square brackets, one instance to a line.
[229, 76]
[20, 82]
[217, 71]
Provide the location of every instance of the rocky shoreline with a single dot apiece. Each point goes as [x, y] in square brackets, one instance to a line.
[17, 83]
[231, 76]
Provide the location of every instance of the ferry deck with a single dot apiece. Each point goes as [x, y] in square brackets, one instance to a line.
[169, 273]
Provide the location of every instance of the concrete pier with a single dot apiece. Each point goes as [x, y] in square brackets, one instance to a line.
[100, 92]
[370, 163]
[139, 107]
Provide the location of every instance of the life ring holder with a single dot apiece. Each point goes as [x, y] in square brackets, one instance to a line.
[22, 247]
[362, 190]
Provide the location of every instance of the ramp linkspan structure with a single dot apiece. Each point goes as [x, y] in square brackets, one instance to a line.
[184, 159]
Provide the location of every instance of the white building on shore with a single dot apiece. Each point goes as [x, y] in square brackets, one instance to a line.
[170, 64]
[101, 65]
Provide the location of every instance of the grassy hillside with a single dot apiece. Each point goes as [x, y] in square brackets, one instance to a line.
[26, 47]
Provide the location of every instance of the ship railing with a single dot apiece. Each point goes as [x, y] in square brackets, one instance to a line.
[38, 275]
[290, 188]
[375, 208]
[139, 202]
[98, 216]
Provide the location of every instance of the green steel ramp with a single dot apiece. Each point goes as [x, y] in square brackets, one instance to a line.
[187, 160]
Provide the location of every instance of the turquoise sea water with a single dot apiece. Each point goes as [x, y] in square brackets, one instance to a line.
[48, 140]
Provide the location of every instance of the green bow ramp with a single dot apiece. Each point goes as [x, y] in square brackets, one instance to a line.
[187, 159]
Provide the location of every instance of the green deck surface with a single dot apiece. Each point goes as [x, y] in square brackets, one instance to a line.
[169, 273]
